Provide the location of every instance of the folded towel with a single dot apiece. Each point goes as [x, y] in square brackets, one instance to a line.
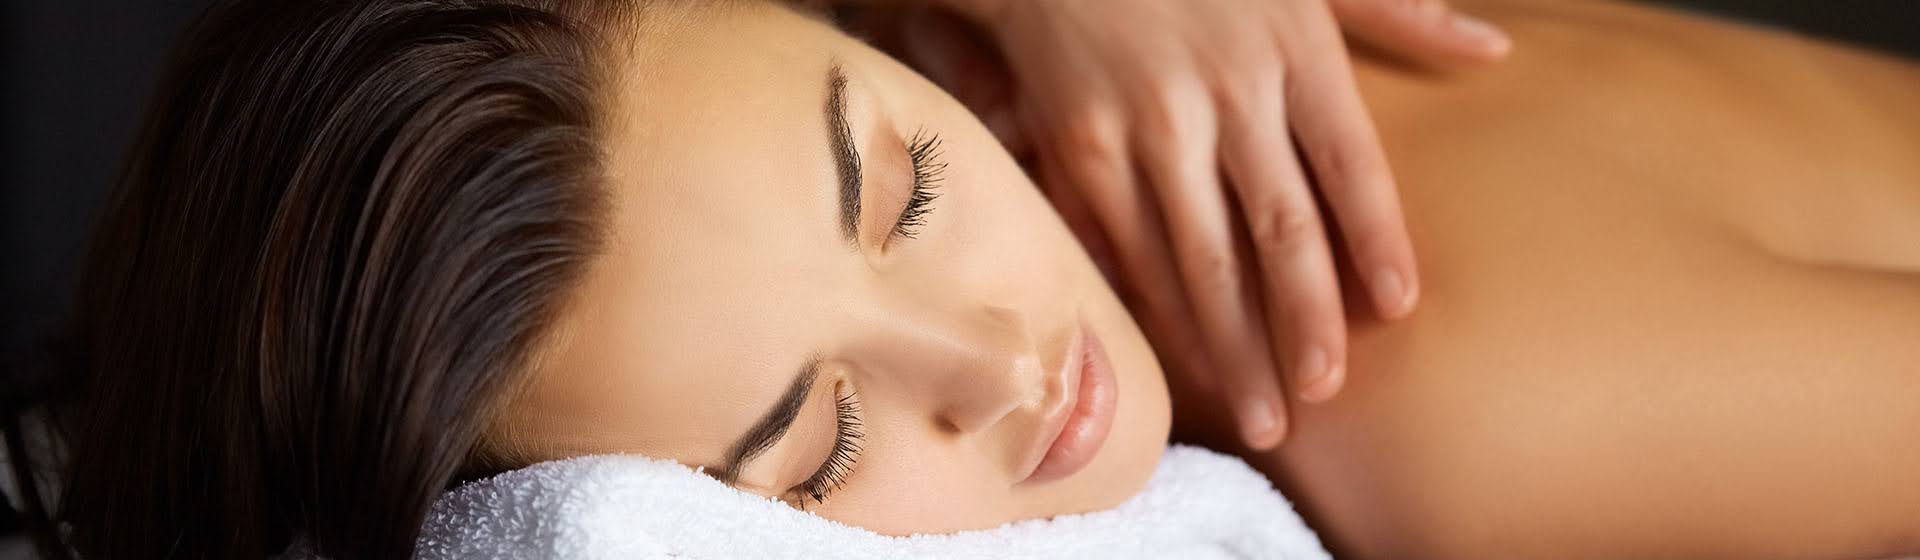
[1199, 504]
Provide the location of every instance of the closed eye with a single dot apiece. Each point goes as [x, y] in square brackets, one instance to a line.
[929, 168]
[848, 434]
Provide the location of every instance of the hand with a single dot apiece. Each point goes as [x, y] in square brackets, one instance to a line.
[1167, 123]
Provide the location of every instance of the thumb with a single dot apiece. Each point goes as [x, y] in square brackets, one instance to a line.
[1428, 32]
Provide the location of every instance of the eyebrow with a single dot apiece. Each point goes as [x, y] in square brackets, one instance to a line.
[771, 426]
[846, 160]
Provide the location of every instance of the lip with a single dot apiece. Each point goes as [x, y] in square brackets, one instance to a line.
[1074, 434]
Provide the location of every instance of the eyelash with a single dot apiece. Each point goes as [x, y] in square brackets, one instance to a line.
[923, 149]
[848, 434]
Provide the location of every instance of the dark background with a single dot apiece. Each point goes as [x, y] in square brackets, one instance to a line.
[76, 74]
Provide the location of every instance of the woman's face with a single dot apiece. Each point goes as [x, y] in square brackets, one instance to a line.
[778, 305]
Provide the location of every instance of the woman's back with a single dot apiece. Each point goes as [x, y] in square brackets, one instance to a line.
[1672, 289]
[1807, 148]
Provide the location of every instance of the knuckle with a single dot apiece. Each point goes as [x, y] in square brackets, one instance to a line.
[1258, 63]
[1095, 133]
[1211, 269]
[1267, 86]
[1250, 96]
[1169, 113]
[1284, 231]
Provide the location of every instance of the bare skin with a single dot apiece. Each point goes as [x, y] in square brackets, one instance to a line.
[1670, 300]
[1671, 305]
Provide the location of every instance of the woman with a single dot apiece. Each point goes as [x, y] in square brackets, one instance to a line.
[742, 240]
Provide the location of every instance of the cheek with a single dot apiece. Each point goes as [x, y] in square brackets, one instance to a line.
[912, 479]
[998, 208]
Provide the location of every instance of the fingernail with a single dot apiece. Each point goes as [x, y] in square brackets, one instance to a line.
[1323, 389]
[1390, 293]
[1313, 374]
[1491, 38]
[1256, 420]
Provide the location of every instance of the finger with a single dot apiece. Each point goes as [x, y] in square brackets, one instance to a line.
[1425, 31]
[1351, 172]
[1177, 147]
[1303, 306]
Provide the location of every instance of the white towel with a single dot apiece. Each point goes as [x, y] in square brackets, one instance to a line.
[1198, 505]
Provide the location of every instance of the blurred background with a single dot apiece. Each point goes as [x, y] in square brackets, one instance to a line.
[76, 74]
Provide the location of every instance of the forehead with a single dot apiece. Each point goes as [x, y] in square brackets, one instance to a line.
[718, 162]
[722, 243]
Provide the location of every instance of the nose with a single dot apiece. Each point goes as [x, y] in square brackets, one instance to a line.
[969, 368]
[1000, 373]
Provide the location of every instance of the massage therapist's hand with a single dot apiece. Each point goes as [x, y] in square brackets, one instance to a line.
[1176, 124]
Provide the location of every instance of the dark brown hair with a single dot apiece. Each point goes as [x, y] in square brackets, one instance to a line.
[342, 232]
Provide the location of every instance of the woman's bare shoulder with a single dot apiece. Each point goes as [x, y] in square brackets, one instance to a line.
[1608, 49]
[1664, 117]
[1667, 304]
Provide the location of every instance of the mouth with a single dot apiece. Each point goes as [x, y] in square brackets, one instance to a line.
[1074, 434]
